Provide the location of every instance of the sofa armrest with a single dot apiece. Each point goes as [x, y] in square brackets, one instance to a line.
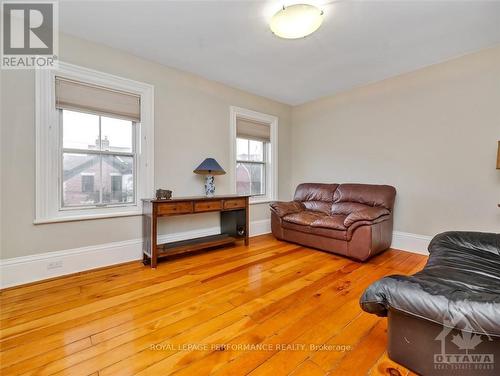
[282, 208]
[369, 214]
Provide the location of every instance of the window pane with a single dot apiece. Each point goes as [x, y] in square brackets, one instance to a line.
[88, 183]
[250, 179]
[241, 149]
[116, 134]
[81, 179]
[80, 130]
[256, 151]
[117, 179]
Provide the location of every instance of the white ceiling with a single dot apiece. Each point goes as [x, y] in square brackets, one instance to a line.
[229, 41]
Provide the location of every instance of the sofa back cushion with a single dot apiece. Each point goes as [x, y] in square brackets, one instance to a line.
[346, 208]
[316, 196]
[365, 194]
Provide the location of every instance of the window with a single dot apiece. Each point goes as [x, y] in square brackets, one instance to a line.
[117, 193]
[250, 167]
[94, 137]
[254, 147]
[87, 184]
[99, 146]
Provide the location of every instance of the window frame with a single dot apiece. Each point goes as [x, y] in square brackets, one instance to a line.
[49, 148]
[270, 154]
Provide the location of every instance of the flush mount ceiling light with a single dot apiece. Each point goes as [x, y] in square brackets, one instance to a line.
[296, 21]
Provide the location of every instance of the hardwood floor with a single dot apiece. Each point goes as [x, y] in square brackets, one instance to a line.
[271, 308]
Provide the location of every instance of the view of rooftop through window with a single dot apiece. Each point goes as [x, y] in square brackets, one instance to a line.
[250, 167]
[81, 131]
[98, 160]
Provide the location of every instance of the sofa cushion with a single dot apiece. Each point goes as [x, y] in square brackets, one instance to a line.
[284, 208]
[304, 218]
[318, 206]
[315, 192]
[335, 222]
[369, 214]
[326, 232]
[316, 196]
[368, 194]
[346, 208]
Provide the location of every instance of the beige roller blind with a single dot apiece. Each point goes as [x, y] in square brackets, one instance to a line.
[80, 96]
[253, 130]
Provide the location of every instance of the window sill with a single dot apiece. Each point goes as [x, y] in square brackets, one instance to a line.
[86, 217]
[258, 201]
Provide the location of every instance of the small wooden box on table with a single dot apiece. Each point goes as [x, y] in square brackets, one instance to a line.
[233, 220]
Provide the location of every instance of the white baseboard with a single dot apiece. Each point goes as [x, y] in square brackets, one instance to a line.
[260, 227]
[411, 242]
[184, 235]
[26, 269]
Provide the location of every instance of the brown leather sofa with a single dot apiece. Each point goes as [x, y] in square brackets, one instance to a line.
[354, 220]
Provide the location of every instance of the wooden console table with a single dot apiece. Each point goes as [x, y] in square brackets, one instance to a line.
[233, 219]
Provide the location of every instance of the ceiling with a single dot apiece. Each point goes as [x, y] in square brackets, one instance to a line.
[229, 41]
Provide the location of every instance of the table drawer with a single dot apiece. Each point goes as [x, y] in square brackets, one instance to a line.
[238, 203]
[207, 206]
[175, 208]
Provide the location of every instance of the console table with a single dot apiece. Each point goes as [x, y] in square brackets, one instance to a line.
[233, 219]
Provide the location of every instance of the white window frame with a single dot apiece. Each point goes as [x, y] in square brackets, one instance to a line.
[49, 145]
[271, 153]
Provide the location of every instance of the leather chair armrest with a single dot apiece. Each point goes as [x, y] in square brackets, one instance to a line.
[282, 208]
[369, 214]
[374, 298]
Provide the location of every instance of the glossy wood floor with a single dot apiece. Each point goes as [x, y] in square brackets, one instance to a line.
[259, 310]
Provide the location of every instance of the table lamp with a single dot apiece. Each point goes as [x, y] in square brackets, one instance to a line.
[209, 167]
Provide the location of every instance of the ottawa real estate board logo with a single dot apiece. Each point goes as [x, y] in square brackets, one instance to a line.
[458, 349]
[29, 35]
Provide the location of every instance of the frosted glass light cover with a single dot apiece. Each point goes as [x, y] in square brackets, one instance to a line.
[296, 21]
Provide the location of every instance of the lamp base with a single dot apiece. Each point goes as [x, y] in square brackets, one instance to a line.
[209, 185]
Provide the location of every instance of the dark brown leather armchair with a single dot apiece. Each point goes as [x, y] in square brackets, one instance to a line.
[445, 319]
[354, 220]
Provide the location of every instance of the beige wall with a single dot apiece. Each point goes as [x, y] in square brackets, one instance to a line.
[191, 123]
[431, 133]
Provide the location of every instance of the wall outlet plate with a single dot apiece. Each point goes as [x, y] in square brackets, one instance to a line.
[54, 265]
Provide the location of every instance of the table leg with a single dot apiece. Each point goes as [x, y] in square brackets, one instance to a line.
[153, 238]
[247, 222]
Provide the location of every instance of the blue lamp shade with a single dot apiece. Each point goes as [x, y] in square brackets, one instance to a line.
[209, 167]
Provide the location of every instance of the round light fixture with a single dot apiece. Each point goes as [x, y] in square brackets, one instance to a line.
[296, 21]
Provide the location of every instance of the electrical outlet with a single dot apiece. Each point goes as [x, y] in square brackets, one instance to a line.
[54, 265]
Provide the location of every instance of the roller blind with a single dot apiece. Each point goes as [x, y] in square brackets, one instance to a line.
[253, 130]
[80, 96]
